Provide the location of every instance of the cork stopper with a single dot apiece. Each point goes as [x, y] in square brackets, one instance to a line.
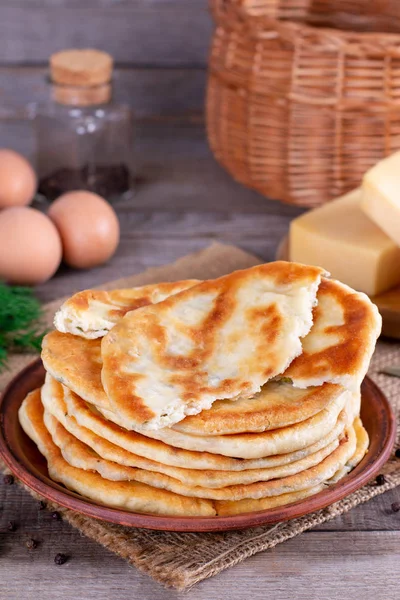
[81, 77]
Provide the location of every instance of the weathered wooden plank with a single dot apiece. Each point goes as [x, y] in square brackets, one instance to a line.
[139, 33]
[134, 256]
[150, 92]
[154, 238]
[315, 565]
[18, 135]
[372, 516]
[107, 3]
[176, 170]
[180, 172]
[226, 225]
[375, 515]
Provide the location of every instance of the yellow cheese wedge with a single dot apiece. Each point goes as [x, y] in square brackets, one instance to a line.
[341, 238]
[381, 195]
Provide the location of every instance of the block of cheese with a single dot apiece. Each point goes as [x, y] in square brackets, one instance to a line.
[341, 238]
[381, 195]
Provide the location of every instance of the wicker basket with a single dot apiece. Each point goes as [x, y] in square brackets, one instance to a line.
[296, 108]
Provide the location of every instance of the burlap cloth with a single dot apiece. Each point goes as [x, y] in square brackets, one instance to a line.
[180, 560]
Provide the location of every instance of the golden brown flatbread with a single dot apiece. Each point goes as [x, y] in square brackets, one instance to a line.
[133, 449]
[221, 339]
[339, 347]
[127, 495]
[227, 508]
[80, 455]
[316, 467]
[76, 415]
[92, 313]
[278, 404]
[256, 445]
[76, 362]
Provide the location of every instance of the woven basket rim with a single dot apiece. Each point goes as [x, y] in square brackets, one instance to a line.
[299, 111]
[258, 24]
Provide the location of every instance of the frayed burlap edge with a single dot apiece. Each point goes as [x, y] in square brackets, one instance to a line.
[180, 560]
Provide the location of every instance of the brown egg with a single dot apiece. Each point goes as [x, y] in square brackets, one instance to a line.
[30, 246]
[17, 179]
[88, 226]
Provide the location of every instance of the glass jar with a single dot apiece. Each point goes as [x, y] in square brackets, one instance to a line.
[84, 141]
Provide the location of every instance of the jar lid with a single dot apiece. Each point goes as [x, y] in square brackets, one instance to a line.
[84, 68]
[70, 95]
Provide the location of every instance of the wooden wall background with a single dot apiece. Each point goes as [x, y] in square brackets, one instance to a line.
[160, 48]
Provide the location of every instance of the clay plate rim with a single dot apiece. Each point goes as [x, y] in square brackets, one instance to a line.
[25, 461]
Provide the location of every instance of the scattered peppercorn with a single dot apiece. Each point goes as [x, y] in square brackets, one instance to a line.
[60, 559]
[397, 453]
[8, 479]
[42, 505]
[395, 506]
[380, 480]
[56, 516]
[12, 526]
[31, 544]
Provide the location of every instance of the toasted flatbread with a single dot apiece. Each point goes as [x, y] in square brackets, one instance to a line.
[227, 508]
[92, 313]
[139, 497]
[132, 449]
[257, 445]
[221, 339]
[77, 363]
[128, 495]
[200, 484]
[362, 443]
[278, 404]
[79, 455]
[339, 347]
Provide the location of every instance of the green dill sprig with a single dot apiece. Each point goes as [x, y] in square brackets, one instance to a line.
[20, 314]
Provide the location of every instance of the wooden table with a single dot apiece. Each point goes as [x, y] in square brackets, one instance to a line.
[184, 202]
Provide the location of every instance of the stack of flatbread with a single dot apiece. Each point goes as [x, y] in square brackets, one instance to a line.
[206, 398]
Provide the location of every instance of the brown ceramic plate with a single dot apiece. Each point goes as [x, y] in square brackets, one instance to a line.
[26, 462]
[388, 303]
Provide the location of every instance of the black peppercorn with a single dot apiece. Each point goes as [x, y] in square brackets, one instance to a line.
[8, 479]
[42, 505]
[397, 453]
[380, 480]
[395, 506]
[12, 526]
[60, 559]
[56, 516]
[31, 544]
